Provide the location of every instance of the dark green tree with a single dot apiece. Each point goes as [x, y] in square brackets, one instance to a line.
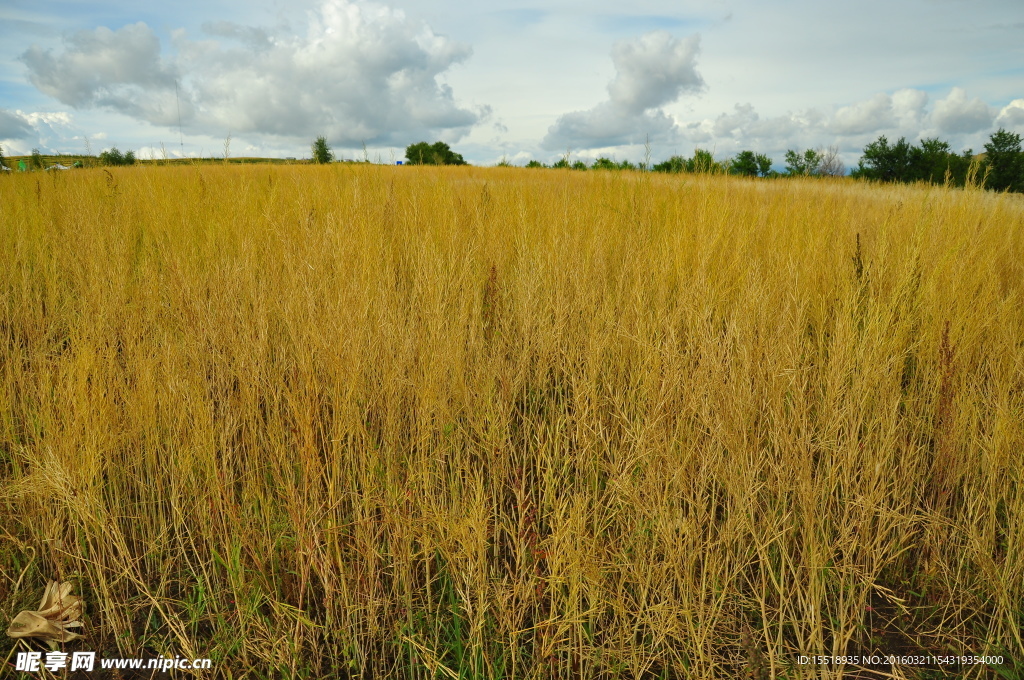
[960, 167]
[450, 157]
[535, 164]
[806, 163]
[885, 162]
[37, 159]
[745, 163]
[751, 164]
[930, 161]
[603, 163]
[437, 153]
[579, 165]
[112, 156]
[1004, 162]
[321, 150]
[673, 164]
[419, 154]
[702, 161]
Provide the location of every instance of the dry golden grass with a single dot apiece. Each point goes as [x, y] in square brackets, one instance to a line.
[498, 423]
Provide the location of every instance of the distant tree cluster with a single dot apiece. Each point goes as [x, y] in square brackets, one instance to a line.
[437, 153]
[750, 164]
[1004, 162]
[114, 156]
[575, 165]
[812, 162]
[703, 161]
[561, 163]
[815, 163]
[932, 161]
[321, 150]
[601, 163]
[1001, 167]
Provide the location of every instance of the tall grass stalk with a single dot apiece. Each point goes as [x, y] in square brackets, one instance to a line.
[459, 422]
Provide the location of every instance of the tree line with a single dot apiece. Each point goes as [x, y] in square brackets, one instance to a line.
[421, 153]
[1000, 167]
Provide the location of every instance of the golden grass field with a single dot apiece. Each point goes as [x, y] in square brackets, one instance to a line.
[378, 422]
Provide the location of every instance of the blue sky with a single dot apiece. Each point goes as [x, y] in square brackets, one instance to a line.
[506, 79]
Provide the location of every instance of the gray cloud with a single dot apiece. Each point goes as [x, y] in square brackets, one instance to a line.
[14, 125]
[255, 38]
[902, 109]
[21, 130]
[864, 116]
[963, 121]
[606, 125]
[728, 124]
[771, 130]
[361, 72]
[958, 114]
[908, 106]
[1012, 115]
[652, 70]
[119, 70]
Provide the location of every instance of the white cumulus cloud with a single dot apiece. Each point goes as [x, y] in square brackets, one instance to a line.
[21, 130]
[958, 114]
[741, 119]
[119, 70]
[14, 125]
[1012, 116]
[866, 116]
[904, 109]
[962, 121]
[909, 108]
[652, 70]
[358, 72]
